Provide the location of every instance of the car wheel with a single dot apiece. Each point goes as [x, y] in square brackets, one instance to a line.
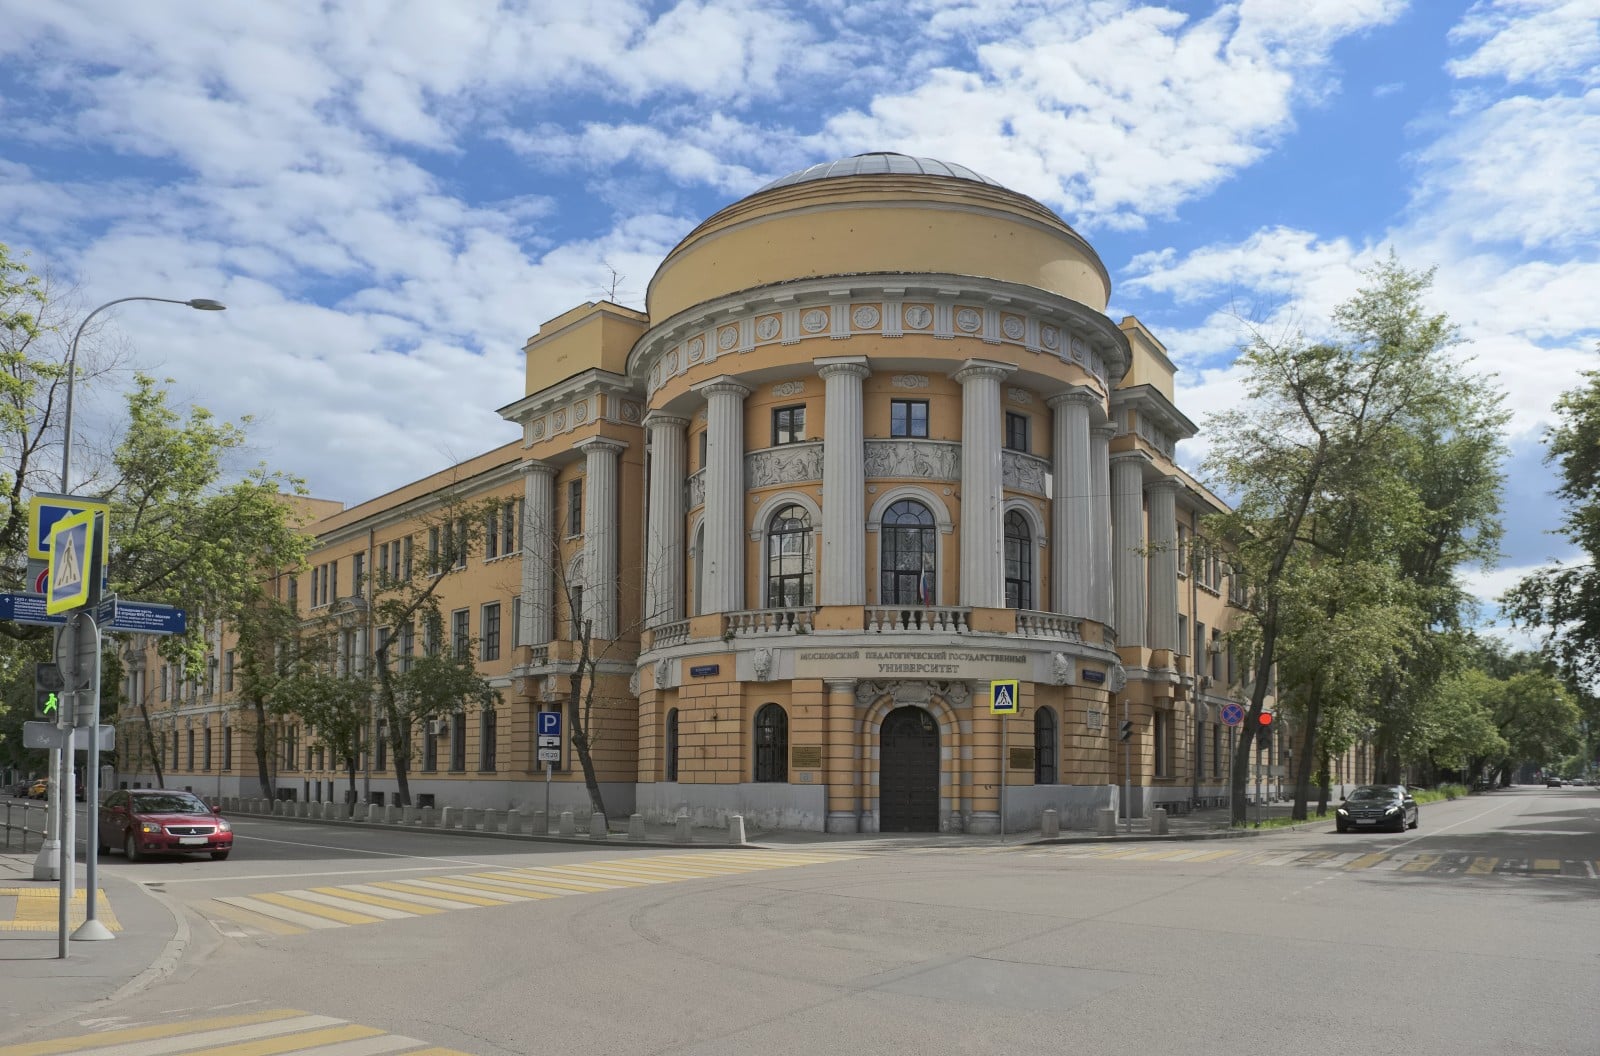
[130, 847]
[1401, 826]
[219, 856]
[1416, 819]
[1341, 826]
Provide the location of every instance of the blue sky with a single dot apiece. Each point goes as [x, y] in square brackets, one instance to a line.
[391, 197]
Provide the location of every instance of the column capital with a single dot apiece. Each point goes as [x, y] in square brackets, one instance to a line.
[1132, 455]
[534, 467]
[599, 443]
[665, 421]
[840, 685]
[1077, 394]
[1103, 431]
[725, 385]
[855, 366]
[1165, 484]
[974, 369]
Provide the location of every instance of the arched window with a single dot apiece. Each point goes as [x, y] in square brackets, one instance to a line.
[672, 745]
[1044, 747]
[791, 563]
[1019, 562]
[772, 744]
[907, 559]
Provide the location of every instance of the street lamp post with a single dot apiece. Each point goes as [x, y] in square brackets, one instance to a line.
[63, 818]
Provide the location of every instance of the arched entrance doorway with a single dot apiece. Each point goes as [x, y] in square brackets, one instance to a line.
[908, 772]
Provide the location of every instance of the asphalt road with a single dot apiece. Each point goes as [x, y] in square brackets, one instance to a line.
[1477, 933]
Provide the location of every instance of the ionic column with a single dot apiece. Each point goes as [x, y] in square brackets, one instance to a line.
[664, 566]
[1164, 563]
[1104, 609]
[600, 457]
[1127, 530]
[982, 540]
[844, 761]
[724, 519]
[844, 555]
[538, 551]
[1071, 507]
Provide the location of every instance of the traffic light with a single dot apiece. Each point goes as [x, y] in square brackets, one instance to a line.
[1264, 731]
[1125, 730]
[47, 685]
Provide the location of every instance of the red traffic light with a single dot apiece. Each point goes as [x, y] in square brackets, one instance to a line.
[1265, 718]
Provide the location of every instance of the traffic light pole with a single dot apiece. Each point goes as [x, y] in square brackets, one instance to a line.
[92, 929]
[48, 861]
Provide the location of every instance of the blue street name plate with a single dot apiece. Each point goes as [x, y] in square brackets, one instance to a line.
[704, 670]
[131, 617]
[1092, 676]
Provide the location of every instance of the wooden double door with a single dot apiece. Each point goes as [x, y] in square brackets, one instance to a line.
[908, 772]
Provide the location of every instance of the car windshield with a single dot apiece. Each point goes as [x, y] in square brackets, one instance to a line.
[169, 803]
[1374, 792]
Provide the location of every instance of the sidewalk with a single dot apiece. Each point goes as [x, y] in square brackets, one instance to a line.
[41, 988]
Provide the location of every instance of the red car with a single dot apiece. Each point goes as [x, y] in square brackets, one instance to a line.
[156, 821]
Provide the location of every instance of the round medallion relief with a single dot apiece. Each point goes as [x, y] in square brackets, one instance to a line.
[918, 317]
[1049, 336]
[968, 320]
[1012, 328]
[537, 430]
[580, 414]
[767, 327]
[865, 317]
[727, 336]
[814, 320]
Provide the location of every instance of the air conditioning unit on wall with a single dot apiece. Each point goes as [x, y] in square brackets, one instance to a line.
[439, 727]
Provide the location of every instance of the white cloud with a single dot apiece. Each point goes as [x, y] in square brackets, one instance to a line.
[1531, 41]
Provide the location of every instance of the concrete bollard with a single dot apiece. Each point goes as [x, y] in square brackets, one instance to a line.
[1105, 821]
[681, 831]
[1050, 826]
[302, 808]
[539, 824]
[410, 815]
[568, 825]
[635, 826]
[428, 817]
[391, 815]
[514, 822]
[736, 829]
[472, 818]
[493, 820]
[1158, 821]
[597, 826]
[332, 811]
[450, 818]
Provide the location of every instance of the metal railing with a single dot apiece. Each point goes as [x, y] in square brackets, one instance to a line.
[21, 809]
[932, 619]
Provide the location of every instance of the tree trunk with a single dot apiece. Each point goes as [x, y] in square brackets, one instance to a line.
[1302, 777]
[1326, 775]
[150, 740]
[263, 772]
[1239, 778]
[402, 758]
[577, 716]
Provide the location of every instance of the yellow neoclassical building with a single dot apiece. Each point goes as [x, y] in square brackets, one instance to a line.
[872, 445]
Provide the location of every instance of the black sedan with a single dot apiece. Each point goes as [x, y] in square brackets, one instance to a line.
[1378, 806]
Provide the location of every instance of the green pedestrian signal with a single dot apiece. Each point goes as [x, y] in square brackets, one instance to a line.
[46, 683]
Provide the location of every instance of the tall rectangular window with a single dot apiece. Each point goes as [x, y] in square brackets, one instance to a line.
[1183, 635]
[405, 561]
[908, 418]
[205, 758]
[408, 645]
[292, 595]
[488, 740]
[489, 632]
[576, 594]
[227, 747]
[229, 659]
[574, 507]
[333, 576]
[432, 631]
[434, 543]
[788, 425]
[1216, 655]
[381, 754]
[701, 442]
[164, 674]
[516, 621]
[1216, 749]
[458, 740]
[316, 585]
[463, 541]
[358, 574]
[1016, 431]
[508, 529]
[383, 562]
[491, 536]
[461, 634]
[1163, 745]
[190, 739]
[430, 744]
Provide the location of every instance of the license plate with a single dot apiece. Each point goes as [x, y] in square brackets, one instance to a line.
[193, 840]
[1366, 821]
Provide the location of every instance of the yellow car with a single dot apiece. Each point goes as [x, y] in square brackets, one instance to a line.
[39, 789]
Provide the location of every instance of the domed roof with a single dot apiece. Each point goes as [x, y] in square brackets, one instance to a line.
[879, 163]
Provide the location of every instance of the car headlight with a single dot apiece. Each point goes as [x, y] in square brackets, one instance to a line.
[150, 827]
[1393, 810]
[223, 826]
[1342, 812]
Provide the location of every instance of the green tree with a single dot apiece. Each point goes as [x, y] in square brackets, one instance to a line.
[336, 709]
[1563, 598]
[1321, 461]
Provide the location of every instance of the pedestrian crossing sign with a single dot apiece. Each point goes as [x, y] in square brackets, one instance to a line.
[1003, 697]
[71, 563]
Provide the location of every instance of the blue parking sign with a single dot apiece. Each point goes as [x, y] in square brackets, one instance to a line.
[549, 724]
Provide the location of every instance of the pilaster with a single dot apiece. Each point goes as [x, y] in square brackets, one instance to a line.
[1072, 537]
[600, 533]
[538, 551]
[844, 559]
[1163, 562]
[982, 537]
[664, 558]
[724, 518]
[1127, 528]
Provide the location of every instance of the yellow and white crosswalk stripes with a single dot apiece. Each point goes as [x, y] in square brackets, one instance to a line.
[1430, 864]
[319, 908]
[39, 909]
[279, 1032]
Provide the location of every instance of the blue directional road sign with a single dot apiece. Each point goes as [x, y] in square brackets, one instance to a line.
[129, 617]
[1233, 714]
[549, 724]
[1003, 697]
